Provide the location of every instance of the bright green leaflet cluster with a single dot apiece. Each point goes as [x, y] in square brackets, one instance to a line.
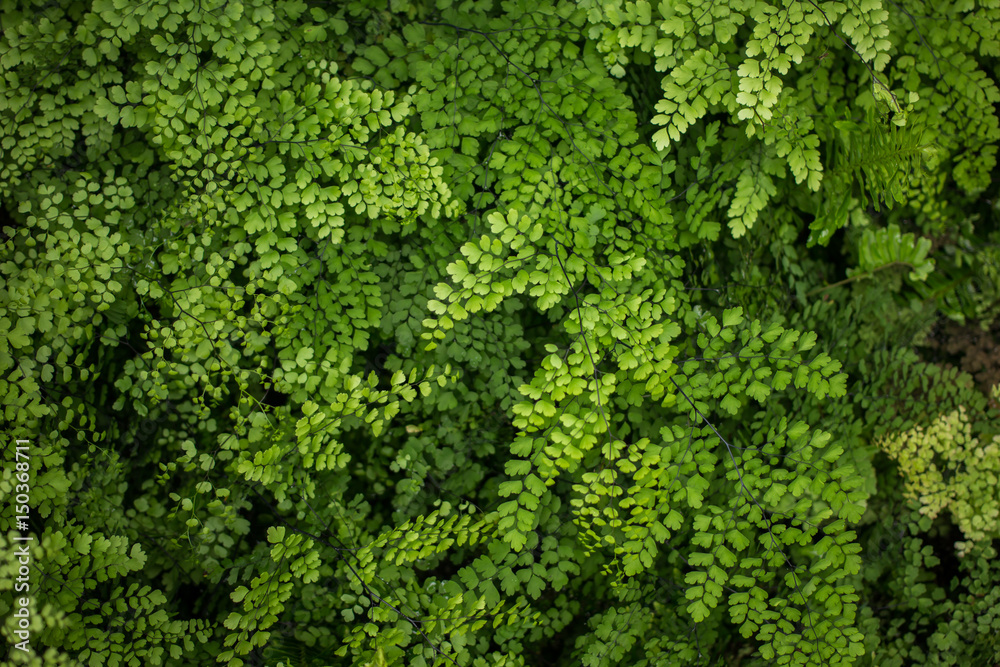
[964, 481]
[495, 333]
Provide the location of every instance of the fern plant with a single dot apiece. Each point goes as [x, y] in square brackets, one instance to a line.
[479, 333]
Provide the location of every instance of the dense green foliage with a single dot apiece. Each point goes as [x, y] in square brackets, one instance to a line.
[500, 333]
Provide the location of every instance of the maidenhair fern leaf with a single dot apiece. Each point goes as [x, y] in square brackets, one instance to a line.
[881, 249]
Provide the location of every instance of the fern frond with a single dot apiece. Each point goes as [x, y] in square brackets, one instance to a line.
[878, 160]
[873, 163]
